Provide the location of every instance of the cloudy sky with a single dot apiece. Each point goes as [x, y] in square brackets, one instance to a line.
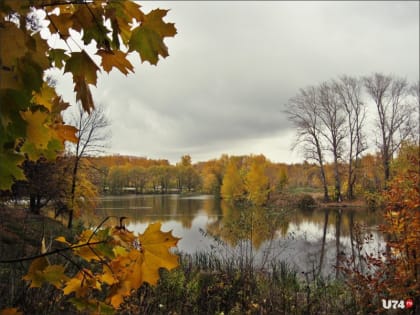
[234, 65]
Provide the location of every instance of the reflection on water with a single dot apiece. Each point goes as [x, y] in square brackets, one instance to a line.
[311, 240]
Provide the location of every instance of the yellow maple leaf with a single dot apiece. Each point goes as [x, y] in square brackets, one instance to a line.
[35, 272]
[62, 239]
[117, 59]
[45, 96]
[66, 132]
[37, 131]
[155, 246]
[82, 284]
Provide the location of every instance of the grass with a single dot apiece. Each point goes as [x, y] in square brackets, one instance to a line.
[207, 284]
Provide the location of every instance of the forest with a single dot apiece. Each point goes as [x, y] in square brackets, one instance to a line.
[54, 172]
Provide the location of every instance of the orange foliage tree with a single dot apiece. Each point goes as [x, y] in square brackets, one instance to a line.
[395, 273]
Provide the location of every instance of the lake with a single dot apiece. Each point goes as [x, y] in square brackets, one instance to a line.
[308, 240]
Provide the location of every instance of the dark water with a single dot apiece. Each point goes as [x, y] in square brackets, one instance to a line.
[308, 240]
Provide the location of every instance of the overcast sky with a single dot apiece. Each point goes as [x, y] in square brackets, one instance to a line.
[234, 65]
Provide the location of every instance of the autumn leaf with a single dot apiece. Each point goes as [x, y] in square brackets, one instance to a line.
[37, 131]
[82, 284]
[80, 65]
[10, 311]
[117, 59]
[61, 24]
[45, 96]
[83, 93]
[66, 132]
[54, 274]
[12, 44]
[62, 239]
[121, 15]
[147, 39]
[35, 272]
[155, 245]
[9, 169]
[58, 56]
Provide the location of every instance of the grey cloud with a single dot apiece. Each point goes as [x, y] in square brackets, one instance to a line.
[234, 65]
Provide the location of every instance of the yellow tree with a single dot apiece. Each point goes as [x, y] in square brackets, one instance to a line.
[233, 185]
[257, 182]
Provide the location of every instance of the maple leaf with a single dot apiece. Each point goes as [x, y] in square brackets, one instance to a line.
[61, 23]
[9, 169]
[45, 96]
[82, 284]
[10, 311]
[54, 274]
[155, 245]
[12, 44]
[83, 93]
[58, 56]
[66, 132]
[35, 272]
[117, 59]
[147, 39]
[82, 66]
[37, 132]
[37, 52]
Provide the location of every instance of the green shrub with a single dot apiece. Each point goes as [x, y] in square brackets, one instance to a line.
[305, 202]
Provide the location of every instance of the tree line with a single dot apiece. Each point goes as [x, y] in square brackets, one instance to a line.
[331, 122]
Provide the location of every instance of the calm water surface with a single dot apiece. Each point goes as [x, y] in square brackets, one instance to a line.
[307, 240]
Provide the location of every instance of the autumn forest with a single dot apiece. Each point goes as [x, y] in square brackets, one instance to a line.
[358, 188]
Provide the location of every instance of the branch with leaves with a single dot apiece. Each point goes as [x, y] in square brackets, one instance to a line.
[115, 262]
[31, 121]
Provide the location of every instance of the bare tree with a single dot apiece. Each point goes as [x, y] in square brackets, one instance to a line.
[304, 112]
[349, 92]
[92, 138]
[415, 92]
[333, 119]
[390, 95]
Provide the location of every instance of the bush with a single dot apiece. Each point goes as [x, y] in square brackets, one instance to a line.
[305, 202]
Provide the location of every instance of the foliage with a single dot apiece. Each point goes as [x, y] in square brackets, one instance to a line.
[205, 283]
[113, 262]
[305, 201]
[394, 274]
[31, 123]
[256, 182]
[32, 127]
[233, 184]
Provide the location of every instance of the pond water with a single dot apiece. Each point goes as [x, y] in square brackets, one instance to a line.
[309, 240]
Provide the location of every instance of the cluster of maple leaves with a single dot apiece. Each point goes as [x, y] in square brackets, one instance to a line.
[31, 126]
[123, 262]
[31, 121]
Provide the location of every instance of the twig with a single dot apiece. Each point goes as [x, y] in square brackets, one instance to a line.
[8, 261]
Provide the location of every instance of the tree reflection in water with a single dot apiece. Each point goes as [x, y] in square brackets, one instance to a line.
[311, 240]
